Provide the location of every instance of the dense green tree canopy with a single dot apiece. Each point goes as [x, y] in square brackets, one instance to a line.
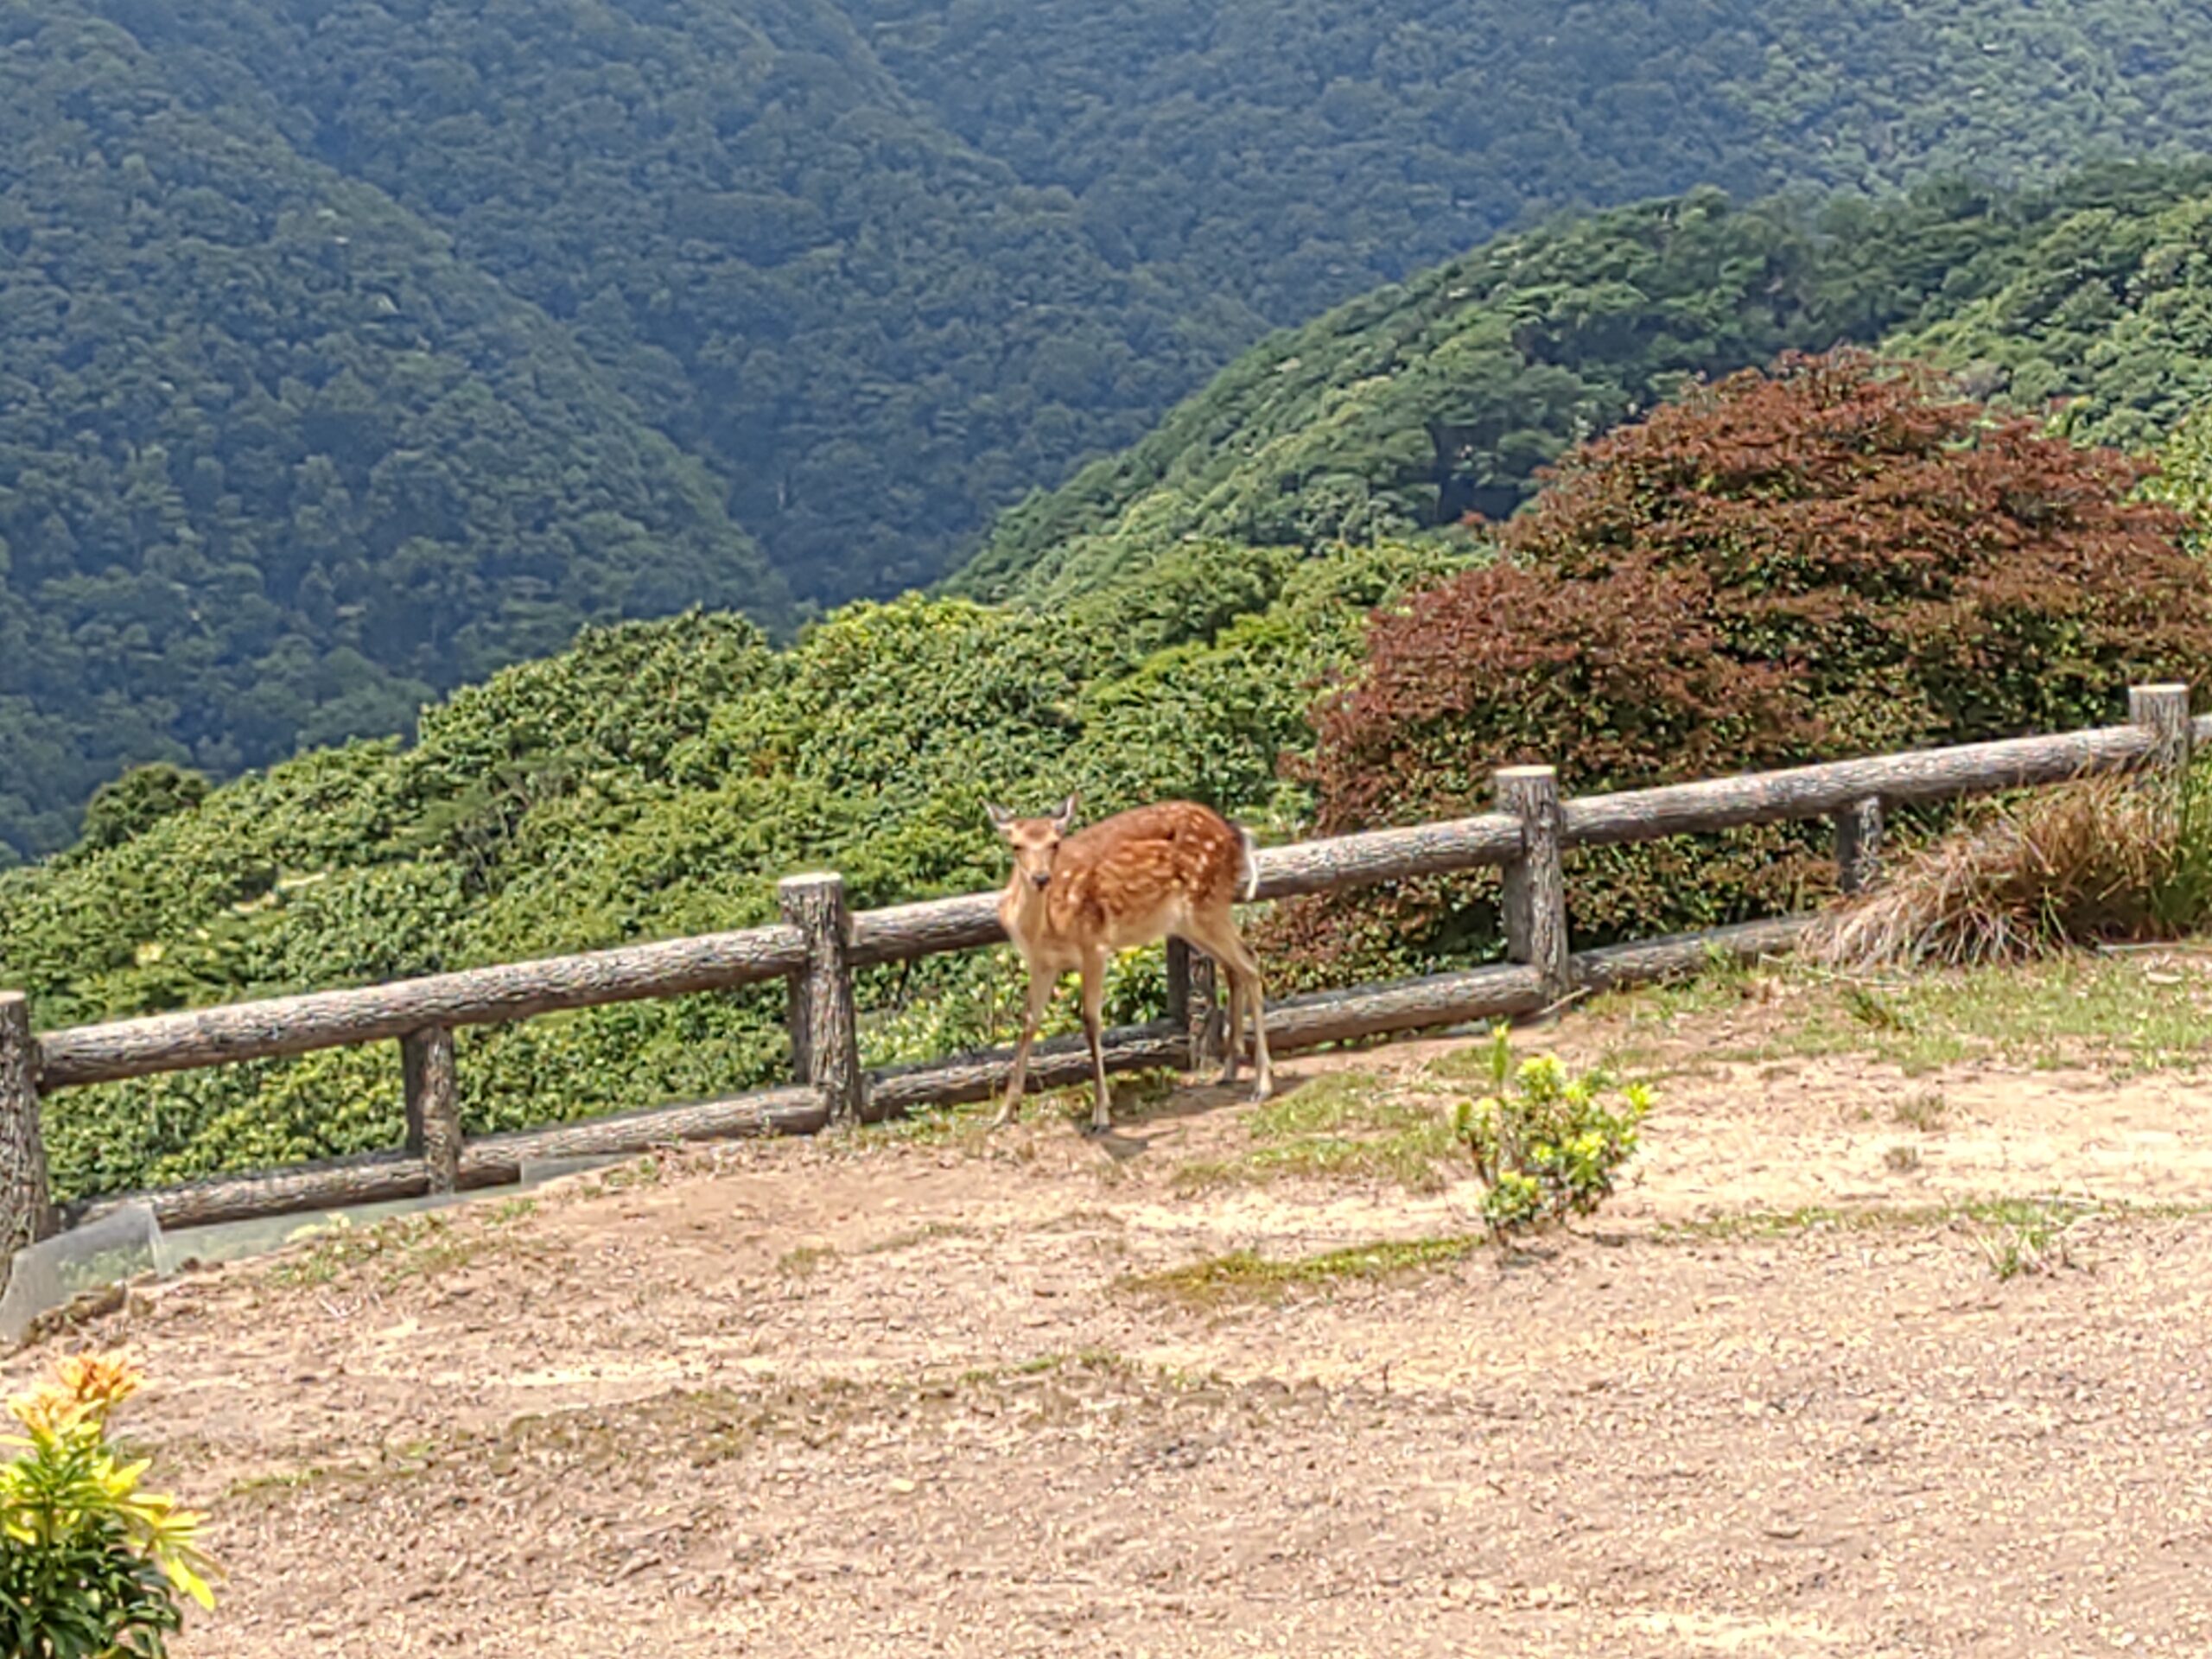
[275, 468]
[1397, 413]
[1296, 152]
[653, 781]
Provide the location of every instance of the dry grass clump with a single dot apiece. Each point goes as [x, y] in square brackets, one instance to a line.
[2108, 859]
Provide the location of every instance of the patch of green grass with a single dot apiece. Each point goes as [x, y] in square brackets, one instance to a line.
[2124, 1013]
[1084, 1219]
[804, 1259]
[1088, 1359]
[1924, 1111]
[622, 1178]
[1335, 1100]
[399, 1248]
[1244, 1276]
[922, 1235]
[1346, 1125]
[1987, 1212]
[283, 1480]
[405, 1247]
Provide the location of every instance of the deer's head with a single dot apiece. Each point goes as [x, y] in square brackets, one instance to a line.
[1035, 842]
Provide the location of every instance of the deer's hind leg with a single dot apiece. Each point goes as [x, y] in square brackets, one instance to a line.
[1218, 936]
[1232, 1045]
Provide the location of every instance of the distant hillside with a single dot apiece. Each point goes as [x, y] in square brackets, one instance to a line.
[613, 285]
[275, 468]
[875, 334]
[1294, 152]
[886, 267]
[1398, 413]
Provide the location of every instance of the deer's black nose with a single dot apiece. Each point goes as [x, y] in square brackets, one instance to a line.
[1043, 878]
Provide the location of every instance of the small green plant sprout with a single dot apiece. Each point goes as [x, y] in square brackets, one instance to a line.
[1546, 1145]
[2032, 1237]
[91, 1567]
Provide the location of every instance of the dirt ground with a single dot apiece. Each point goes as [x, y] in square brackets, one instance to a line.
[895, 1394]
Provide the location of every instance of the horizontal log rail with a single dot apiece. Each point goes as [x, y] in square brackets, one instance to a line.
[1819, 792]
[476, 996]
[817, 946]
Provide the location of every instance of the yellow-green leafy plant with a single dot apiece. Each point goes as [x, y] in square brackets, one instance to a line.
[1546, 1144]
[90, 1566]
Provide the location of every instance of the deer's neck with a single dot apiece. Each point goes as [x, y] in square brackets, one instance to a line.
[1021, 909]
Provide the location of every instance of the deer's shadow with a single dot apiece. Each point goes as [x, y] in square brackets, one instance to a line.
[1126, 1138]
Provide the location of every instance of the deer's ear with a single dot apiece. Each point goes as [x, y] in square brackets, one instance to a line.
[1065, 815]
[999, 815]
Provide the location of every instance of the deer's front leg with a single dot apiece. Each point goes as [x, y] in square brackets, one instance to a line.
[1040, 997]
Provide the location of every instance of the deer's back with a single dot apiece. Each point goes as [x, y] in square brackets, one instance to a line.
[1129, 878]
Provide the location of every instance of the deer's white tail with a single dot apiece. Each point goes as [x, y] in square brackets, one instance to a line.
[1247, 864]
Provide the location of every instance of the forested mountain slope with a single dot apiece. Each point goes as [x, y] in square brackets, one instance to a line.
[275, 468]
[874, 334]
[880, 270]
[1296, 152]
[1397, 413]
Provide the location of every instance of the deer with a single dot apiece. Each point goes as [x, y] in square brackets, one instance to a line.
[1170, 870]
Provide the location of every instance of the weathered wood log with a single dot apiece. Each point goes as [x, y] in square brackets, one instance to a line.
[1194, 1004]
[1817, 792]
[824, 1026]
[1859, 844]
[496, 1159]
[2163, 711]
[1506, 990]
[1536, 883]
[375, 1178]
[296, 1024]
[1060, 1062]
[899, 932]
[488, 1160]
[1388, 855]
[1649, 961]
[26, 1211]
[432, 1087]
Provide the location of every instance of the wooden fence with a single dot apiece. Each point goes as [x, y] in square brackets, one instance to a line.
[817, 944]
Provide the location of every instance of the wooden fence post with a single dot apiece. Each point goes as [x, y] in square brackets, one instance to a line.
[26, 1207]
[1859, 844]
[433, 1088]
[825, 1029]
[1193, 1008]
[2163, 710]
[1535, 882]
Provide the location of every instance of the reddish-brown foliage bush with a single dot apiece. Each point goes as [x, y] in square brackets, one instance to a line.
[1836, 558]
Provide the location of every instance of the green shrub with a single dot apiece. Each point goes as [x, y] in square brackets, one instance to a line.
[91, 1567]
[1544, 1143]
